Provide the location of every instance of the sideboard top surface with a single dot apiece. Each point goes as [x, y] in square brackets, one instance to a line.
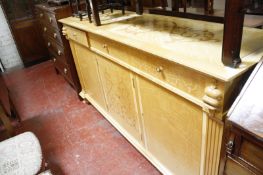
[194, 44]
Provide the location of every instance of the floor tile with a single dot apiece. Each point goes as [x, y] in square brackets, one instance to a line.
[76, 139]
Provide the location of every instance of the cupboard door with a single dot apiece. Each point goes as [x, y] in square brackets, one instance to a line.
[173, 128]
[119, 88]
[87, 68]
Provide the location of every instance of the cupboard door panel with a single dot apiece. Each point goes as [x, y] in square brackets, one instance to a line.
[119, 88]
[77, 63]
[88, 70]
[173, 128]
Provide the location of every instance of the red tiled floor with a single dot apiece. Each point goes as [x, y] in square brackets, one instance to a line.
[75, 137]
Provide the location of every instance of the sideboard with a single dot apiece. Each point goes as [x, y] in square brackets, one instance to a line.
[160, 81]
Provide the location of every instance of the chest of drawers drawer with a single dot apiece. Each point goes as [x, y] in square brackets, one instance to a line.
[50, 19]
[63, 68]
[55, 49]
[152, 66]
[52, 33]
[47, 17]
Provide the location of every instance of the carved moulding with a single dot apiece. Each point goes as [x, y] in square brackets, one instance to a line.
[64, 32]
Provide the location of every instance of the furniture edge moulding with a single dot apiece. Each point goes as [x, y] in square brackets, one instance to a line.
[64, 32]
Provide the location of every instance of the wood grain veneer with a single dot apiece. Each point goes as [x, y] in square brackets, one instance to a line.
[168, 98]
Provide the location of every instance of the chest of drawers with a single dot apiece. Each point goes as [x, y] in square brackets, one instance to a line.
[57, 45]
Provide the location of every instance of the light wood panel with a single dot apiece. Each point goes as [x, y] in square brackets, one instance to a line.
[119, 89]
[88, 71]
[170, 111]
[167, 71]
[173, 128]
[77, 35]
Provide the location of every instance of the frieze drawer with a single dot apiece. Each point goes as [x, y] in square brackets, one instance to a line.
[153, 67]
[76, 35]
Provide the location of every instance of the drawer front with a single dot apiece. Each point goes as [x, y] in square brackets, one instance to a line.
[252, 154]
[47, 17]
[234, 168]
[51, 19]
[63, 69]
[77, 36]
[40, 14]
[158, 68]
[55, 49]
[52, 33]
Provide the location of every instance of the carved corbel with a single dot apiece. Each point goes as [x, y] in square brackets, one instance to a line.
[64, 32]
[213, 96]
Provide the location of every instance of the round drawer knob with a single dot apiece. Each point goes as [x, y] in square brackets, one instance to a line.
[45, 29]
[65, 70]
[59, 52]
[48, 44]
[50, 19]
[159, 69]
[55, 35]
[54, 59]
[41, 15]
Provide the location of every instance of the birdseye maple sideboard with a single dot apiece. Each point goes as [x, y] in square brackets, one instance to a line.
[160, 81]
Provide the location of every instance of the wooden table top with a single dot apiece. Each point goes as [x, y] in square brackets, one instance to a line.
[191, 43]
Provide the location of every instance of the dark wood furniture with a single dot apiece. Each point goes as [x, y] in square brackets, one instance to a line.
[6, 100]
[25, 29]
[7, 108]
[111, 4]
[94, 7]
[57, 45]
[245, 144]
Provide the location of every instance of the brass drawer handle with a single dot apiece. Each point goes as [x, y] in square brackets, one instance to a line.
[59, 52]
[41, 15]
[45, 29]
[105, 46]
[54, 60]
[48, 44]
[55, 35]
[50, 19]
[159, 69]
[65, 70]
